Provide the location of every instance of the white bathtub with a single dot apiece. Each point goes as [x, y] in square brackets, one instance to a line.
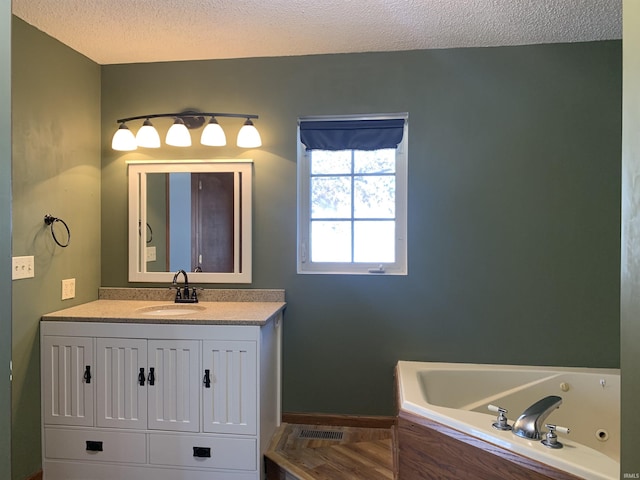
[457, 395]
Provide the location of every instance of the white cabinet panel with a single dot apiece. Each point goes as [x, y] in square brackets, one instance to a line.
[230, 401]
[73, 470]
[95, 445]
[122, 400]
[208, 452]
[67, 378]
[174, 395]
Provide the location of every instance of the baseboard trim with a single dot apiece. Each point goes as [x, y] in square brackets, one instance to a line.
[36, 476]
[360, 421]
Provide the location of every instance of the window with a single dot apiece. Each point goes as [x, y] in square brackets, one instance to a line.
[352, 194]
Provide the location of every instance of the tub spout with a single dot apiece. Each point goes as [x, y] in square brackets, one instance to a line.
[528, 424]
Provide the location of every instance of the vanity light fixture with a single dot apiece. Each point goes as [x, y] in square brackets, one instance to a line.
[248, 136]
[213, 135]
[178, 134]
[124, 139]
[148, 136]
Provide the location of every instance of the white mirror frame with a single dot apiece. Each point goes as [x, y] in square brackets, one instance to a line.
[137, 172]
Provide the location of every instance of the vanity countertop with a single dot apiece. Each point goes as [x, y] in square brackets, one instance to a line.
[133, 311]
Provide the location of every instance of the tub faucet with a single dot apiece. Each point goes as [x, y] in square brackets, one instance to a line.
[528, 424]
[184, 296]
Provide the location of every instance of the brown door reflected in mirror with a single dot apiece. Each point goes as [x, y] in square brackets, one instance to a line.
[212, 226]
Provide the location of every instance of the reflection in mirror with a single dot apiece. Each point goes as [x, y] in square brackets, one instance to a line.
[197, 216]
[194, 213]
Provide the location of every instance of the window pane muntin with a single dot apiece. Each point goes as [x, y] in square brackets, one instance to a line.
[369, 195]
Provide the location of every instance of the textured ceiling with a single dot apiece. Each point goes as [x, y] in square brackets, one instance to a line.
[130, 31]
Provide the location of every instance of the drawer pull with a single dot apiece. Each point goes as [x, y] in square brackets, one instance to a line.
[93, 446]
[202, 452]
[87, 374]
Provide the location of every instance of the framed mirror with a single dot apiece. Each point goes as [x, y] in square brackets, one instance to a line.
[192, 215]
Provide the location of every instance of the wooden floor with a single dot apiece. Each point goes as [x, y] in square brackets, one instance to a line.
[298, 452]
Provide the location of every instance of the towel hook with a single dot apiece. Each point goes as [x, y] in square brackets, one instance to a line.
[150, 237]
[50, 220]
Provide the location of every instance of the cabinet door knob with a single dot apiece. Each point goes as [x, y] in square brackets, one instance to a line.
[207, 379]
[87, 374]
[141, 377]
[152, 376]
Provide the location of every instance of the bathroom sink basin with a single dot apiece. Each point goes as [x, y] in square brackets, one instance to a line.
[170, 310]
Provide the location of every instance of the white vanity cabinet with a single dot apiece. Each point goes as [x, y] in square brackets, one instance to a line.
[158, 401]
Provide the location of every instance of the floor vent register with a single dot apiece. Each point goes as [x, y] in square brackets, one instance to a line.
[320, 434]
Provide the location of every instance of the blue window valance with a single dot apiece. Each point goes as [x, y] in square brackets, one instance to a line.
[351, 134]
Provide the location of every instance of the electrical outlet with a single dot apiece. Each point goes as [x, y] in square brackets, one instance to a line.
[68, 288]
[22, 267]
[151, 254]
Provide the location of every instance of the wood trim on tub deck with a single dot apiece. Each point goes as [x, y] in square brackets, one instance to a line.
[361, 421]
[36, 476]
[427, 449]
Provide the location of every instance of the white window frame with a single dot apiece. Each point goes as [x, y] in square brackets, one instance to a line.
[304, 263]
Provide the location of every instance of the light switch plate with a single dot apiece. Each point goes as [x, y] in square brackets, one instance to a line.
[151, 254]
[22, 267]
[68, 288]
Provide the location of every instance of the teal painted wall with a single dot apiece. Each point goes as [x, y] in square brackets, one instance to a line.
[630, 250]
[514, 206]
[5, 236]
[56, 170]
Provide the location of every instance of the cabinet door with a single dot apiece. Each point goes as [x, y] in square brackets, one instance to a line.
[175, 392]
[122, 400]
[230, 402]
[68, 380]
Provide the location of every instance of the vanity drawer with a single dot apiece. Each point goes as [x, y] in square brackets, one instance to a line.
[200, 451]
[95, 445]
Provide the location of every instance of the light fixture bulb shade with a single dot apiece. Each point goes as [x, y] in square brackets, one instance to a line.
[248, 136]
[123, 140]
[178, 135]
[148, 136]
[213, 135]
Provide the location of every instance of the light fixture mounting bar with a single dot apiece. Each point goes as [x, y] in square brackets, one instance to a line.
[188, 115]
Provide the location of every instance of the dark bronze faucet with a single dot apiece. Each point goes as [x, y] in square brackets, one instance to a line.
[184, 296]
